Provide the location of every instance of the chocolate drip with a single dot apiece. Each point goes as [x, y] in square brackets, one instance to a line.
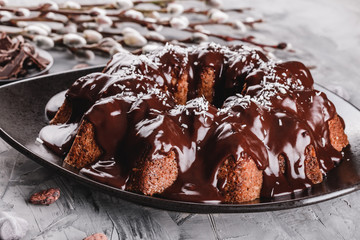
[266, 110]
[59, 137]
[54, 104]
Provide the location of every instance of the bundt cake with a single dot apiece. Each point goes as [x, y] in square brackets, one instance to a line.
[204, 124]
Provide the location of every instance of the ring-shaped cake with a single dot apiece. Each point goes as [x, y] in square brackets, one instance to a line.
[204, 124]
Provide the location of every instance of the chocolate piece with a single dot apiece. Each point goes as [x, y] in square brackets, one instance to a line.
[96, 236]
[18, 58]
[45, 197]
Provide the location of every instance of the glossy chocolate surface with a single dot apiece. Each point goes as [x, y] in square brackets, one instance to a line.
[261, 108]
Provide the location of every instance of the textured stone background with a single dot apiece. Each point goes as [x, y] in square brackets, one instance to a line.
[325, 34]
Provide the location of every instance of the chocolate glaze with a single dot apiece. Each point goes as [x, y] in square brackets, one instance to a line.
[59, 137]
[261, 108]
[54, 104]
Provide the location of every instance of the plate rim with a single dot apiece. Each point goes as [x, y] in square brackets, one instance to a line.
[166, 204]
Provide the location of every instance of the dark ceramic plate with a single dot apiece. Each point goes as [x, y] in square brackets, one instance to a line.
[22, 116]
[43, 54]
